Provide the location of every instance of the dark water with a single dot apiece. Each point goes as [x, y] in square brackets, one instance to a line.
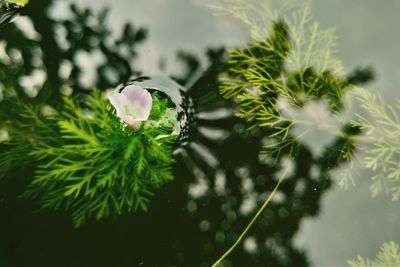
[220, 180]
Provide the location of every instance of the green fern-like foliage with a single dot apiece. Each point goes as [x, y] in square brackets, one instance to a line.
[88, 161]
[294, 62]
[380, 144]
[388, 256]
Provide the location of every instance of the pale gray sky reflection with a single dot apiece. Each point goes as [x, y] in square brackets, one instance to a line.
[188, 25]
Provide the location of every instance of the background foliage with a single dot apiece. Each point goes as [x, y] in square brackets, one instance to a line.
[388, 255]
[380, 146]
[273, 78]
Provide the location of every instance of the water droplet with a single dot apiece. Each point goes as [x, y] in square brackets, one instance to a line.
[177, 95]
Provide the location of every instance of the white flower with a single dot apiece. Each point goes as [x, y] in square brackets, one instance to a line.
[133, 105]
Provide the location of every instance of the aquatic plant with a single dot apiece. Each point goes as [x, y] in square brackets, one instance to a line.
[31, 111]
[380, 145]
[388, 255]
[289, 65]
[298, 195]
[273, 80]
[277, 76]
[236, 183]
[87, 160]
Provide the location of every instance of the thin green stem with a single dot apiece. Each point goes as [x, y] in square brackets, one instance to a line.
[243, 234]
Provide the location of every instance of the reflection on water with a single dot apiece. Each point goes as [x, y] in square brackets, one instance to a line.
[221, 176]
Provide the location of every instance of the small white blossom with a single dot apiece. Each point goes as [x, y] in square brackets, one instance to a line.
[133, 105]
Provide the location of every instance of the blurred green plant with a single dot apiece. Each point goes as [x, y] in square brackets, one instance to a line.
[272, 76]
[388, 256]
[380, 144]
[289, 66]
[86, 160]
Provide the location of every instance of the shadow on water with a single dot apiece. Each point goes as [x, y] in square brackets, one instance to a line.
[220, 178]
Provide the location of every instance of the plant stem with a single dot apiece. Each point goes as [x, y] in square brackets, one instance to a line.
[242, 235]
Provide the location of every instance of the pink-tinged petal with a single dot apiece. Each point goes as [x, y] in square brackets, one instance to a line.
[131, 121]
[133, 105]
[128, 119]
[140, 113]
[139, 95]
[119, 102]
